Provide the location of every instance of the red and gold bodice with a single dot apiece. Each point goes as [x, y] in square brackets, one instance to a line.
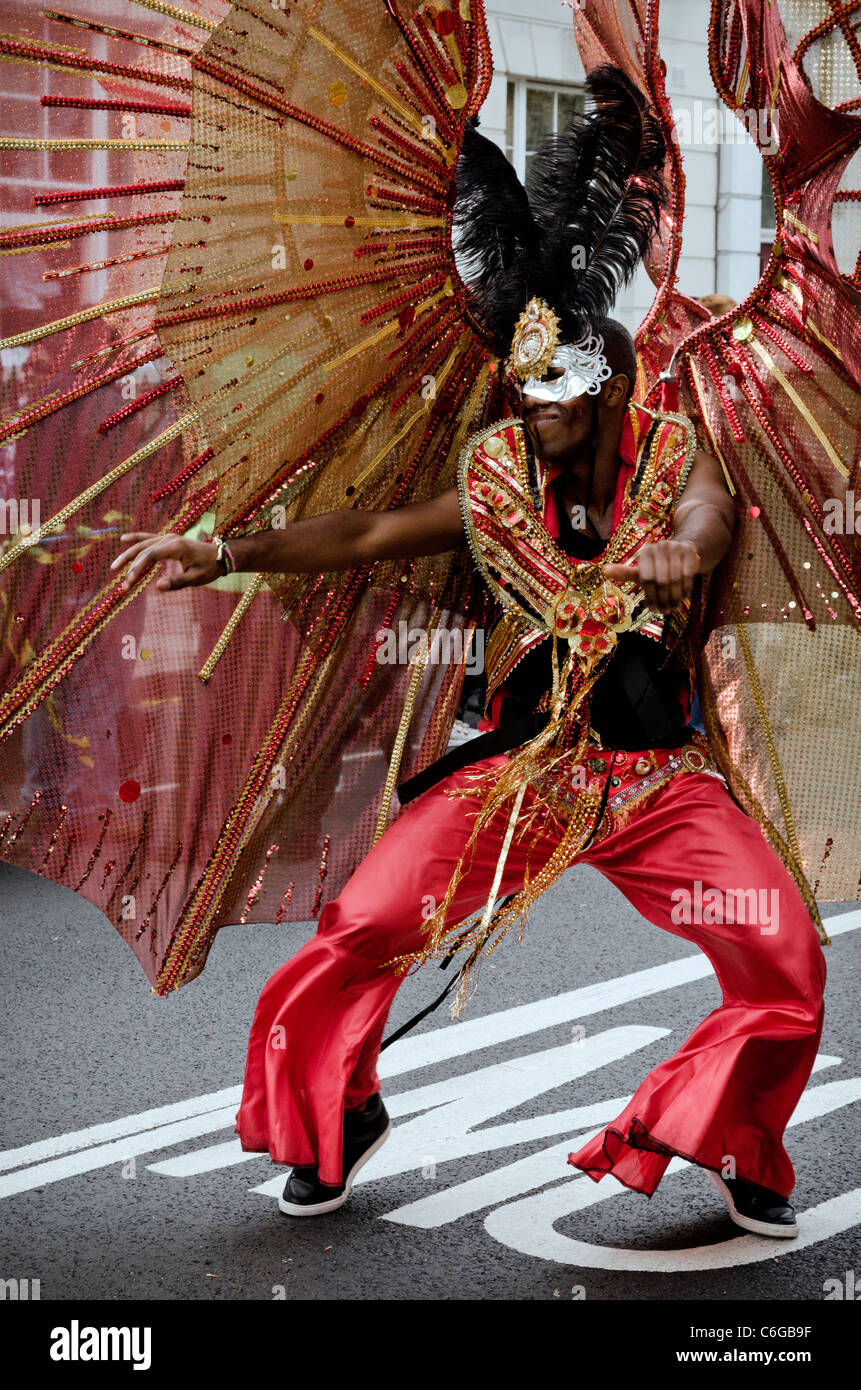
[512, 528]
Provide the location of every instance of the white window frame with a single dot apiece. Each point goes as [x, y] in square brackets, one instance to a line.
[521, 86]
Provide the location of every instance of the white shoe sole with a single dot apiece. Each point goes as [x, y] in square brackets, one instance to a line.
[747, 1223]
[293, 1209]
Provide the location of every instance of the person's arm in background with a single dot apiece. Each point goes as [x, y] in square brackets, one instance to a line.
[338, 540]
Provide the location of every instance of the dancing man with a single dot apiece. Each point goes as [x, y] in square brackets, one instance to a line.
[619, 483]
[591, 520]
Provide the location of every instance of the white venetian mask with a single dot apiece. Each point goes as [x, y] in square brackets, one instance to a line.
[584, 367]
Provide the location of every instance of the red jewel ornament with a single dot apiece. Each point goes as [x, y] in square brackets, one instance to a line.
[349, 221]
[130, 791]
[754, 512]
[77, 566]
[319, 398]
[592, 638]
[309, 264]
[226, 738]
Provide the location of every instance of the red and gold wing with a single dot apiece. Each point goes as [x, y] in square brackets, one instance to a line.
[774, 390]
[626, 33]
[235, 304]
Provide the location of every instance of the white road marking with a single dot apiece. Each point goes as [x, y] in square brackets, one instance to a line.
[208, 1160]
[516, 1179]
[163, 1126]
[453, 1040]
[407, 1055]
[116, 1129]
[473, 1034]
[103, 1155]
[461, 1103]
[528, 1225]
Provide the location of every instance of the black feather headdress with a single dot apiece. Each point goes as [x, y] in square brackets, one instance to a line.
[495, 236]
[578, 231]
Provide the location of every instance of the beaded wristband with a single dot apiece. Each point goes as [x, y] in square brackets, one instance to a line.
[224, 557]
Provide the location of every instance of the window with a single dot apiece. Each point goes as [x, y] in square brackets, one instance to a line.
[533, 111]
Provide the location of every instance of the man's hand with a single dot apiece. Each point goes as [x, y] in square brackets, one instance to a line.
[665, 571]
[197, 558]
[704, 522]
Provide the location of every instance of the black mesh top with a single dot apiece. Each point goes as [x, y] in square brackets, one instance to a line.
[639, 702]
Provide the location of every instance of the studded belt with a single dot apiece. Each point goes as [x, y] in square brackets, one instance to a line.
[634, 775]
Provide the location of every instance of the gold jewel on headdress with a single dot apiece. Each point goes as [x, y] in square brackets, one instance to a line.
[535, 340]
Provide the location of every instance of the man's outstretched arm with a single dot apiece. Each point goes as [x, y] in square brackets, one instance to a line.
[703, 527]
[340, 540]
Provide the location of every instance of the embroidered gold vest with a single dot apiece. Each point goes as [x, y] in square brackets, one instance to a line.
[542, 590]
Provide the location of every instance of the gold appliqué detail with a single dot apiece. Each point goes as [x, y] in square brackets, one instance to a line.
[536, 336]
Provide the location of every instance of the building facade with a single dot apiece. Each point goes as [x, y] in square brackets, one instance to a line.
[538, 79]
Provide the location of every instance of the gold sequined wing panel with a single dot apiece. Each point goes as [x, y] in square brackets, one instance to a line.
[100, 705]
[322, 326]
[341, 368]
[229, 299]
[774, 388]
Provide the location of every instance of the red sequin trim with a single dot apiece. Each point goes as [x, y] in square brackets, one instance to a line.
[53, 840]
[407, 296]
[254, 892]
[154, 904]
[62, 58]
[40, 412]
[296, 113]
[140, 404]
[37, 797]
[91, 862]
[125, 190]
[285, 901]
[322, 875]
[269, 301]
[183, 476]
[152, 108]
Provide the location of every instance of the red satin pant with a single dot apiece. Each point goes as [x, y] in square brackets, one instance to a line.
[728, 1092]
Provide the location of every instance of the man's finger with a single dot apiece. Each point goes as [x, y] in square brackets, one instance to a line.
[648, 578]
[621, 574]
[141, 562]
[164, 548]
[127, 556]
[131, 551]
[690, 562]
[195, 574]
[676, 581]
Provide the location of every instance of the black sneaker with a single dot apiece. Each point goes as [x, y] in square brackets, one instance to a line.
[756, 1209]
[365, 1131]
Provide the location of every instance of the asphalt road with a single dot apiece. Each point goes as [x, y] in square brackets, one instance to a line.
[471, 1197]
